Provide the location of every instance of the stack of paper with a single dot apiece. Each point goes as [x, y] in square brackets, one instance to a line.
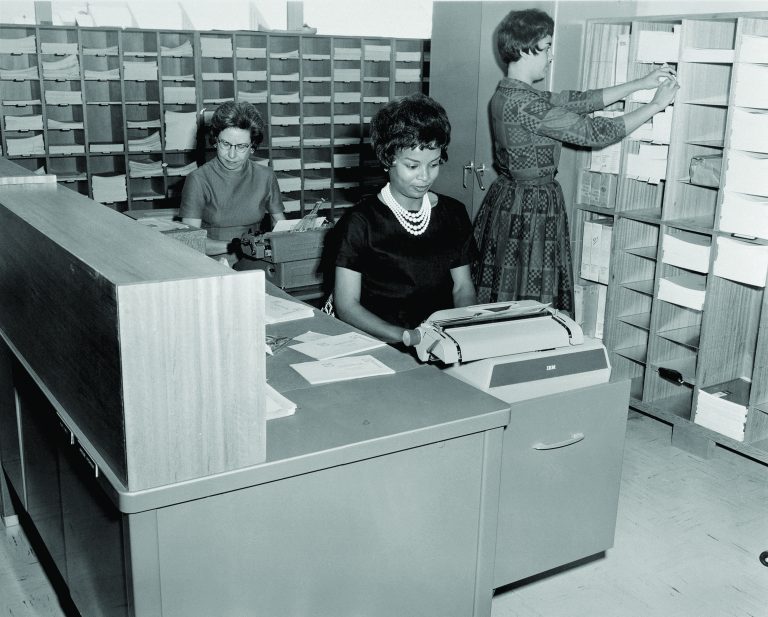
[408, 56]
[655, 46]
[285, 120]
[180, 130]
[251, 52]
[24, 146]
[105, 148]
[279, 310]
[286, 141]
[185, 49]
[690, 251]
[346, 119]
[743, 262]
[596, 249]
[182, 170]
[149, 143]
[292, 97]
[144, 169]
[746, 215]
[347, 53]
[407, 75]
[108, 189]
[277, 405]
[66, 148]
[139, 71]
[23, 45]
[109, 74]
[143, 124]
[649, 164]
[749, 129]
[323, 347]
[59, 49]
[179, 94]
[316, 184]
[754, 48]
[346, 97]
[286, 164]
[747, 173]
[378, 52]
[341, 369]
[27, 73]
[252, 97]
[346, 160]
[686, 290]
[24, 123]
[63, 126]
[285, 77]
[346, 74]
[289, 183]
[63, 97]
[218, 76]
[100, 51]
[291, 54]
[751, 85]
[216, 47]
[723, 408]
[66, 68]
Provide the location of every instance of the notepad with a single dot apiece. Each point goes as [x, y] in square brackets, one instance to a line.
[279, 310]
[341, 369]
[337, 346]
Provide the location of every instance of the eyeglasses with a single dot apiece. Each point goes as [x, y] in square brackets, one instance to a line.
[225, 145]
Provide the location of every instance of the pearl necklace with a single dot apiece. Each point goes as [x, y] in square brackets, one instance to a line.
[415, 223]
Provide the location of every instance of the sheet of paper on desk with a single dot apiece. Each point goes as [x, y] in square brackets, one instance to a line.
[279, 310]
[288, 225]
[341, 369]
[161, 224]
[277, 405]
[336, 346]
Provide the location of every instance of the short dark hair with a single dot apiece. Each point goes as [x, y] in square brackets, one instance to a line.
[241, 115]
[520, 31]
[414, 121]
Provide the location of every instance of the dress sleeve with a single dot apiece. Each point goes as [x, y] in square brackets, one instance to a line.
[540, 116]
[192, 199]
[274, 198]
[352, 239]
[578, 101]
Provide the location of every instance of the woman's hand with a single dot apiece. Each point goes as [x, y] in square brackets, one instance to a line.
[655, 78]
[665, 93]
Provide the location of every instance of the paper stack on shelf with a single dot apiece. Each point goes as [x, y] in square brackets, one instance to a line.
[746, 215]
[747, 173]
[286, 141]
[407, 75]
[408, 56]
[754, 48]
[66, 148]
[346, 119]
[105, 148]
[341, 369]
[185, 49]
[316, 120]
[750, 88]
[23, 45]
[143, 124]
[744, 262]
[690, 252]
[27, 73]
[216, 47]
[100, 51]
[288, 183]
[63, 97]
[24, 123]
[106, 75]
[139, 71]
[346, 160]
[286, 164]
[63, 126]
[656, 46]
[180, 130]
[316, 184]
[179, 94]
[378, 52]
[151, 142]
[723, 408]
[108, 189]
[708, 55]
[346, 97]
[749, 129]
[285, 120]
[292, 97]
[687, 290]
[347, 53]
[596, 249]
[649, 164]
[218, 76]
[66, 68]
[252, 97]
[279, 310]
[144, 169]
[182, 170]
[346, 74]
[317, 98]
[59, 49]
[291, 54]
[25, 146]
[285, 77]
[251, 52]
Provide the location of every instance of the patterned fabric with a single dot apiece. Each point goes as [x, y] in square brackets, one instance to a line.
[522, 227]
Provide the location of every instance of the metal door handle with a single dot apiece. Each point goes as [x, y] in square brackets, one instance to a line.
[574, 438]
[467, 168]
[479, 171]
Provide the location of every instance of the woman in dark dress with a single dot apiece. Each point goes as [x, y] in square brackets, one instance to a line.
[522, 227]
[405, 252]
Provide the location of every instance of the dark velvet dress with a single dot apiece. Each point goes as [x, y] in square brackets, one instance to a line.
[405, 278]
[522, 227]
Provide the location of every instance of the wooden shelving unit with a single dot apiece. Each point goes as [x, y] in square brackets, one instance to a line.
[686, 315]
[130, 106]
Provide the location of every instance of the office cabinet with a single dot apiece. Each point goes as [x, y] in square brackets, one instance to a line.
[119, 115]
[685, 317]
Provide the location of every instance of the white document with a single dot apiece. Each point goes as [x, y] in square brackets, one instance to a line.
[662, 126]
[708, 55]
[751, 85]
[341, 369]
[683, 290]
[747, 173]
[754, 48]
[746, 215]
[740, 261]
[654, 46]
[649, 164]
[277, 405]
[336, 346]
[690, 252]
[279, 310]
[622, 58]
[749, 130]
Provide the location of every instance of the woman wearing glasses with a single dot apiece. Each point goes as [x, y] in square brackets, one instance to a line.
[231, 193]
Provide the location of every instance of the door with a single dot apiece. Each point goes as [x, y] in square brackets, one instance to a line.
[464, 72]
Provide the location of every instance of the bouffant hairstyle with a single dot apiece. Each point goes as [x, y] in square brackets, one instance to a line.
[520, 31]
[414, 121]
[243, 115]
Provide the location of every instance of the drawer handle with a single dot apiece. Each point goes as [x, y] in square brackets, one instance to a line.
[575, 438]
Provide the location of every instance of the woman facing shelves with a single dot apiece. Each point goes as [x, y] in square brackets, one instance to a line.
[522, 227]
[231, 193]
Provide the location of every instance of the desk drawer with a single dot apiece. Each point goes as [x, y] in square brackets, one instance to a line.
[560, 477]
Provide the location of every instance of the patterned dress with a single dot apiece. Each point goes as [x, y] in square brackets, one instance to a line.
[522, 227]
